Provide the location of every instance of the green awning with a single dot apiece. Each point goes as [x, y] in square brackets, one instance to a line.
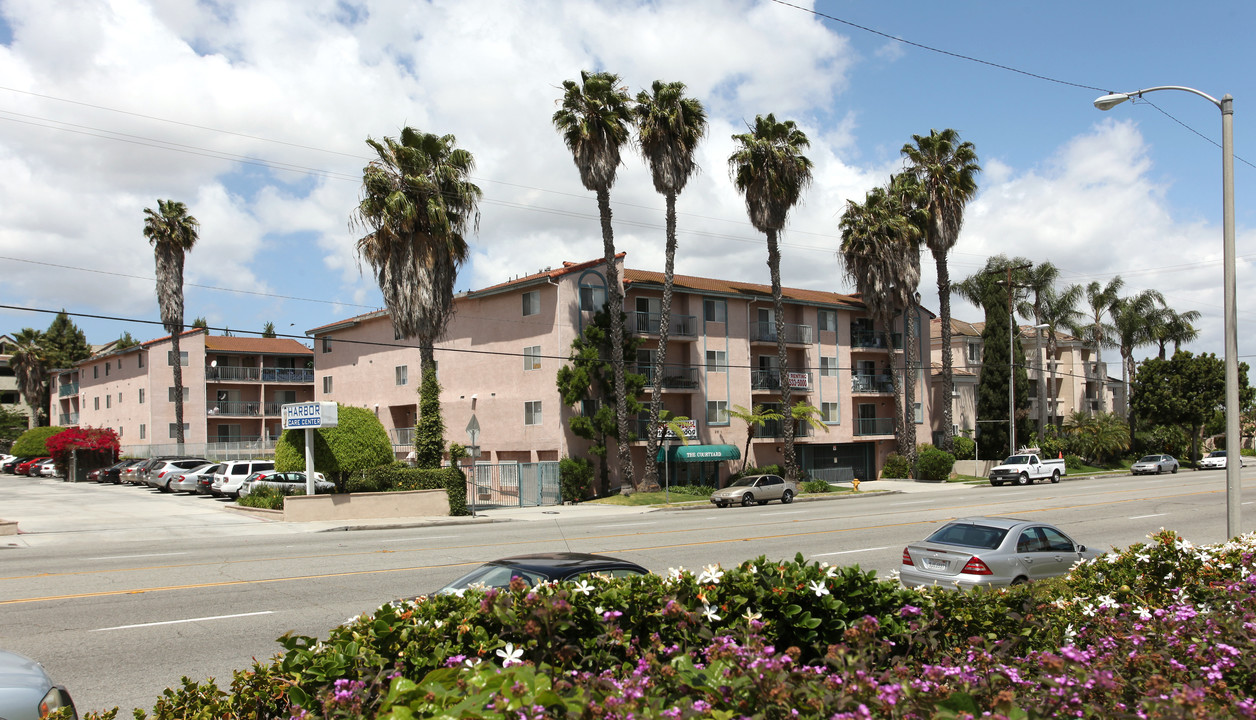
[699, 453]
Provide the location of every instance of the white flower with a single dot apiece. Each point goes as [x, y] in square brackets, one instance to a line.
[438, 624]
[1069, 632]
[674, 573]
[459, 591]
[510, 655]
[472, 662]
[752, 616]
[599, 609]
[1144, 613]
[830, 571]
[819, 588]
[1106, 601]
[710, 574]
[1088, 610]
[583, 587]
[709, 612]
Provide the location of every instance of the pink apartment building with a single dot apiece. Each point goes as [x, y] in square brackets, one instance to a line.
[498, 362]
[233, 388]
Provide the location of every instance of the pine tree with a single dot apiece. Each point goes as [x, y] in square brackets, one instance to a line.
[992, 391]
[64, 343]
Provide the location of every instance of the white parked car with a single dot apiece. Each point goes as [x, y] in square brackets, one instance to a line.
[48, 469]
[1215, 459]
[287, 482]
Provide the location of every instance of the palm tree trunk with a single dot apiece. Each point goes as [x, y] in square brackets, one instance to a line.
[896, 381]
[778, 311]
[651, 480]
[1052, 387]
[1103, 372]
[948, 363]
[615, 306]
[178, 388]
[909, 383]
[1042, 388]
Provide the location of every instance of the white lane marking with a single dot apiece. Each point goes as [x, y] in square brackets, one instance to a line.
[793, 512]
[637, 524]
[1140, 517]
[128, 557]
[847, 552]
[916, 502]
[1249, 502]
[176, 622]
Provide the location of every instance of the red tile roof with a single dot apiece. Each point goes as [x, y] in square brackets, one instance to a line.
[733, 287]
[257, 345]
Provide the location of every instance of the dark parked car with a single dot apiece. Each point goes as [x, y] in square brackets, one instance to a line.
[113, 473]
[25, 468]
[542, 567]
[10, 466]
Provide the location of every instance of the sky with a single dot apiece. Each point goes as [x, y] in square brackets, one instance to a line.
[255, 114]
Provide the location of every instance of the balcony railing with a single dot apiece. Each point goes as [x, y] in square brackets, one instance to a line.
[870, 339]
[872, 384]
[235, 408]
[273, 408]
[771, 380]
[675, 377]
[648, 323]
[874, 426]
[1096, 371]
[766, 332]
[68, 389]
[402, 436]
[231, 373]
[776, 429]
[288, 375]
[67, 419]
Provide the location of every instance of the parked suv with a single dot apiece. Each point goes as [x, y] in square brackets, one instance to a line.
[231, 475]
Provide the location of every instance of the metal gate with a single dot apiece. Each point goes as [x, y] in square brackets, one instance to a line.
[513, 485]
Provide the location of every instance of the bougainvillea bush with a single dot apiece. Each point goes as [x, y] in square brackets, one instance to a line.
[95, 447]
[1160, 630]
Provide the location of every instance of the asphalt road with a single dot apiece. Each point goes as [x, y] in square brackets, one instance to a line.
[118, 615]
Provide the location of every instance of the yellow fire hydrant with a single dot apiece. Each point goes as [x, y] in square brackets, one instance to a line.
[855, 483]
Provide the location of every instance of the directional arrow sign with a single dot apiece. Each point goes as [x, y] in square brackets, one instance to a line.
[473, 430]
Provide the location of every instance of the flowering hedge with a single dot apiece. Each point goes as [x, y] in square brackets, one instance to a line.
[786, 639]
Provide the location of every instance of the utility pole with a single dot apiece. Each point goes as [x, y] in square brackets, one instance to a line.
[1011, 354]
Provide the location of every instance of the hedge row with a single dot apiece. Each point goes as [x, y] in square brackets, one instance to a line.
[398, 476]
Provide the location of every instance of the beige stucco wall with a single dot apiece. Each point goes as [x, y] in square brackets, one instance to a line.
[366, 506]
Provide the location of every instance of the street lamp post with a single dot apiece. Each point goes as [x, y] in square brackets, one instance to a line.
[1232, 439]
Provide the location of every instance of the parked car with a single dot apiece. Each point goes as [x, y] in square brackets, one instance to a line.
[47, 468]
[1024, 469]
[144, 474]
[159, 475]
[542, 567]
[189, 480]
[94, 475]
[756, 489]
[1216, 459]
[231, 475]
[1157, 464]
[25, 467]
[130, 473]
[111, 473]
[990, 552]
[10, 465]
[26, 691]
[286, 482]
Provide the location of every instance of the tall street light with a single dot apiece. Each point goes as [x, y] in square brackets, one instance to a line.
[1232, 439]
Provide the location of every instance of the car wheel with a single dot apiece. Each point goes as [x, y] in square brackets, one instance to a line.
[1020, 580]
[787, 497]
[1055, 476]
[1174, 470]
[747, 500]
[1159, 470]
[1023, 479]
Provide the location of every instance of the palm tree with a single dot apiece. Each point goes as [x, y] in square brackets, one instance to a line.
[30, 367]
[769, 169]
[1098, 334]
[172, 233]
[594, 121]
[1041, 280]
[1171, 326]
[946, 169]
[416, 207]
[669, 127]
[758, 417]
[1059, 311]
[1133, 319]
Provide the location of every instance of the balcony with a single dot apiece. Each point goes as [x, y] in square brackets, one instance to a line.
[776, 429]
[235, 408]
[648, 323]
[874, 426]
[869, 340]
[675, 377]
[288, 375]
[770, 380]
[67, 419]
[1096, 371]
[402, 436]
[765, 332]
[228, 373]
[68, 389]
[872, 384]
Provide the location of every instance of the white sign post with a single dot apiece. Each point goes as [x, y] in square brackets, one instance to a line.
[310, 416]
[473, 434]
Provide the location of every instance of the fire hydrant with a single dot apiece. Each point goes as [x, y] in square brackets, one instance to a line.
[855, 484]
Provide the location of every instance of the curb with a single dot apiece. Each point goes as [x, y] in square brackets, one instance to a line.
[464, 520]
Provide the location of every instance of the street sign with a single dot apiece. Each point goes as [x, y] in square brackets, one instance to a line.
[473, 430]
[310, 415]
[687, 427]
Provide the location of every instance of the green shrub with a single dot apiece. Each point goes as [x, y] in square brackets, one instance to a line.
[765, 470]
[816, 486]
[965, 448]
[1073, 462]
[1248, 452]
[33, 442]
[576, 478]
[896, 467]
[267, 497]
[695, 490]
[358, 442]
[398, 476]
[934, 464]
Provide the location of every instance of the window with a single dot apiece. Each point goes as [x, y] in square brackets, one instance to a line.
[714, 310]
[96, 403]
[828, 367]
[326, 344]
[717, 412]
[183, 358]
[107, 369]
[592, 297]
[827, 321]
[532, 357]
[532, 412]
[108, 401]
[717, 361]
[95, 371]
[327, 384]
[143, 430]
[532, 303]
[187, 394]
[141, 396]
[140, 359]
[828, 412]
[174, 429]
[403, 374]
[119, 397]
[974, 354]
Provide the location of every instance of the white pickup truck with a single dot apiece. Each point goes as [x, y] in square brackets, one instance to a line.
[1024, 469]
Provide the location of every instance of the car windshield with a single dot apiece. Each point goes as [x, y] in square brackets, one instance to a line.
[1217, 453]
[492, 576]
[1017, 460]
[1151, 458]
[966, 535]
[744, 482]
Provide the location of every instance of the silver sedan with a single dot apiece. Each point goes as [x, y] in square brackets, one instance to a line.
[990, 552]
[1154, 464]
[755, 489]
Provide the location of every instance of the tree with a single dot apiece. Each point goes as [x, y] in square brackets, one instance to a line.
[34, 442]
[669, 128]
[64, 343]
[769, 169]
[756, 418]
[594, 121]
[200, 322]
[1171, 326]
[1098, 334]
[946, 169]
[1041, 280]
[1099, 437]
[1185, 391]
[429, 432]
[417, 204]
[587, 382]
[268, 330]
[12, 425]
[30, 367]
[126, 341]
[358, 442]
[172, 233]
[1059, 311]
